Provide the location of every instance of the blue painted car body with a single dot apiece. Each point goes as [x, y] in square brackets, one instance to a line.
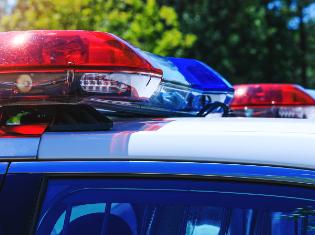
[163, 168]
[3, 170]
[33, 189]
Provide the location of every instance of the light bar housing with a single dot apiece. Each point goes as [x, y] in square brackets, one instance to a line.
[104, 71]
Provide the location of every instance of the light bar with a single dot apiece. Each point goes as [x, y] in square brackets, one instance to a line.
[104, 71]
[272, 100]
[62, 65]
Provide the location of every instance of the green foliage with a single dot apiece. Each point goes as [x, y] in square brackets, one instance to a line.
[144, 23]
[240, 38]
[249, 41]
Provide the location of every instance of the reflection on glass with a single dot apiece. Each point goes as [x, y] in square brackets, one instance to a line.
[134, 219]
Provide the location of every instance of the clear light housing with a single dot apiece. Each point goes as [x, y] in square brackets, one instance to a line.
[28, 86]
[184, 99]
[188, 85]
[122, 85]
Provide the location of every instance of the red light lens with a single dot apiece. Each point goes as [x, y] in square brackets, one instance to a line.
[270, 95]
[23, 130]
[72, 65]
[56, 50]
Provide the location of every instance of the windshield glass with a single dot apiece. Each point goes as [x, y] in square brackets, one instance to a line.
[175, 207]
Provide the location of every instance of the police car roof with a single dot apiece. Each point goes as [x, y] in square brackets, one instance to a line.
[283, 142]
[311, 92]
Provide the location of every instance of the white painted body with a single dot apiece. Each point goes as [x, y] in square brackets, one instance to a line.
[311, 92]
[287, 142]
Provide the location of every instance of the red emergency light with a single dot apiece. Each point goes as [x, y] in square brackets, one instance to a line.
[48, 64]
[47, 50]
[270, 94]
[32, 130]
[269, 100]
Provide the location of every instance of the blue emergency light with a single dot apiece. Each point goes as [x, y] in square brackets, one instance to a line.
[200, 76]
[188, 85]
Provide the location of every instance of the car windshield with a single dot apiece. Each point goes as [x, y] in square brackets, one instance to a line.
[165, 207]
[186, 219]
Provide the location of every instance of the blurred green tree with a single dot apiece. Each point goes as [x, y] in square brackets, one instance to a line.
[144, 23]
[251, 40]
[246, 40]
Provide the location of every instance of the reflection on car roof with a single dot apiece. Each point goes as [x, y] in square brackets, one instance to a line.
[284, 142]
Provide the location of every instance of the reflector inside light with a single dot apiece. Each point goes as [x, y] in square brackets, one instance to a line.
[41, 86]
[122, 85]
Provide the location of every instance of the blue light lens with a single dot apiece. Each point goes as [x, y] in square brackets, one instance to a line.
[200, 76]
[188, 85]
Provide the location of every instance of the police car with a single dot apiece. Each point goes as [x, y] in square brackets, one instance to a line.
[98, 137]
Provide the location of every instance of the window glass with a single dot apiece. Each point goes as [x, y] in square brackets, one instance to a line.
[104, 207]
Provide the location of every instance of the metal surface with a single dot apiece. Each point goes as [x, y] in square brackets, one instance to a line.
[19, 148]
[282, 142]
[181, 169]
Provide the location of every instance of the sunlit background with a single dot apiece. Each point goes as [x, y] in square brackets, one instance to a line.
[245, 40]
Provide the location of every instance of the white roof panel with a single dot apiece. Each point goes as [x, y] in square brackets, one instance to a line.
[286, 142]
